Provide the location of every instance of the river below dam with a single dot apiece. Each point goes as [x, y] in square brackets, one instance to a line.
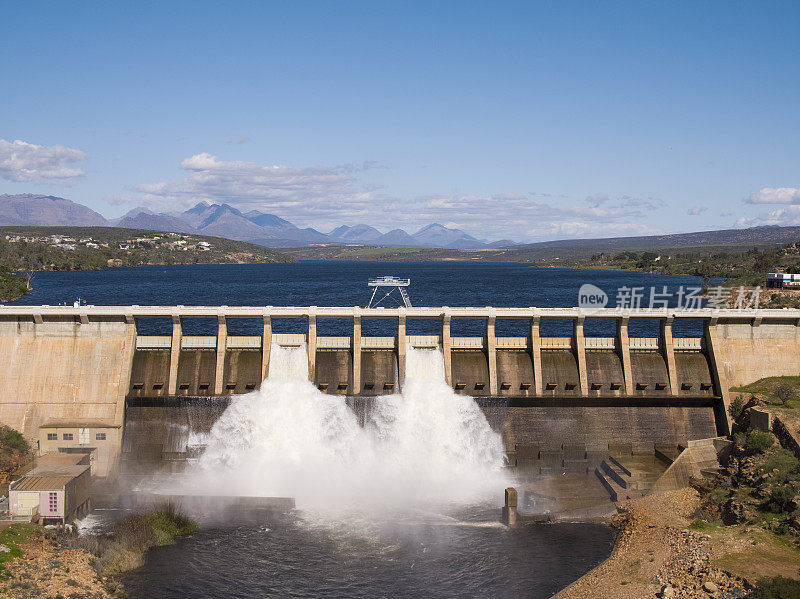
[466, 554]
[407, 504]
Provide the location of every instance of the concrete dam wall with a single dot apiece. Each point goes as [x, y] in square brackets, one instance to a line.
[69, 375]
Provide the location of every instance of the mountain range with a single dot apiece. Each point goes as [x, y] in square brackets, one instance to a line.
[223, 220]
[268, 230]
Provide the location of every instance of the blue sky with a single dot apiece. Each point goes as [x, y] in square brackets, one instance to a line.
[525, 120]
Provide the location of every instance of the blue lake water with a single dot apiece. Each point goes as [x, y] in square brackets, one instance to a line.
[344, 284]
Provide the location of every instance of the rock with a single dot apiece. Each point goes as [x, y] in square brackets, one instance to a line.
[710, 587]
[735, 512]
[4, 549]
[667, 592]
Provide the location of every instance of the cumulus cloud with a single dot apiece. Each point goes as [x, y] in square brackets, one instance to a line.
[249, 184]
[22, 161]
[775, 195]
[324, 197]
[696, 210]
[780, 217]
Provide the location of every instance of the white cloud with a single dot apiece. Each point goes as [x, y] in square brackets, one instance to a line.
[249, 184]
[324, 197]
[697, 210]
[775, 195]
[779, 217]
[22, 161]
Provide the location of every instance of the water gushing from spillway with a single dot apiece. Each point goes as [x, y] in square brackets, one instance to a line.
[425, 446]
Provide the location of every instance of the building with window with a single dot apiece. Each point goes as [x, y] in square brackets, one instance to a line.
[783, 280]
[100, 439]
[55, 491]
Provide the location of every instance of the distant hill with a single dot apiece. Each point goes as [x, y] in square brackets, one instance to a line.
[29, 209]
[224, 220]
[357, 234]
[142, 218]
[739, 237]
[269, 230]
[88, 248]
[436, 235]
[397, 238]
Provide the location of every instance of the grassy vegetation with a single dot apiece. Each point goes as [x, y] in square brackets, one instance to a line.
[134, 535]
[759, 553]
[704, 525]
[747, 268]
[130, 539]
[773, 391]
[11, 538]
[776, 587]
[110, 556]
[754, 502]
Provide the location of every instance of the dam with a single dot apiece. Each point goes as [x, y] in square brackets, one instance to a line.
[83, 379]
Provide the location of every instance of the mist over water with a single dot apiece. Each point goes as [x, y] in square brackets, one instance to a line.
[426, 447]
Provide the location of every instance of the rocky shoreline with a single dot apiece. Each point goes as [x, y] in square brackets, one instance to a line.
[658, 555]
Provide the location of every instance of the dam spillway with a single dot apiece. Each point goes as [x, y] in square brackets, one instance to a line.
[84, 368]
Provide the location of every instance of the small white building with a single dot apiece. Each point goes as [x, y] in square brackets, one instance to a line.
[54, 492]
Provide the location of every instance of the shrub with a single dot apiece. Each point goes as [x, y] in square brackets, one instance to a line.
[166, 524]
[753, 442]
[783, 466]
[780, 498]
[737, 408]
[13, 440]
[776, 587]
[784, 393]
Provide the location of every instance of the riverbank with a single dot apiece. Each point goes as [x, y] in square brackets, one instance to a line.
[35, 562]
[27, 250]
[663, 550]
[39, 566]
[656, 548]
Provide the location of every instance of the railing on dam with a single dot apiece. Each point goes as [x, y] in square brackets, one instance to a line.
[527, 366]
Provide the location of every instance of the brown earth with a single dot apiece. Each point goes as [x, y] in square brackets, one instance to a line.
[47, 570]
[658, 555]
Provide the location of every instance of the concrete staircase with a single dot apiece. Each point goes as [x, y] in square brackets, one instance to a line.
[627, 476]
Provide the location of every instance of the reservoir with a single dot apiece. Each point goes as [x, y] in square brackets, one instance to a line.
[340, 283]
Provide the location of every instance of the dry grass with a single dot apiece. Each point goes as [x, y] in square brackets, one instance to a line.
[753, 553]
[125, 547]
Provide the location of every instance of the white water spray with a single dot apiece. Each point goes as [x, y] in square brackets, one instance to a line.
[422, 447]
